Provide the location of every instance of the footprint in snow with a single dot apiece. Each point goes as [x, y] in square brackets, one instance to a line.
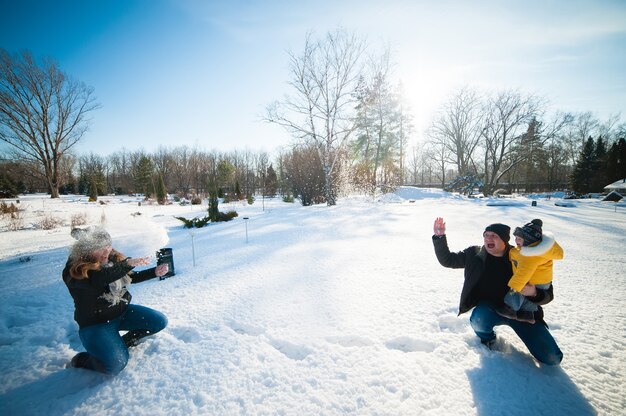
[293, 351]
[245, 329]
[187, 335]
[452, 323]
[350, 341]
[408, 344]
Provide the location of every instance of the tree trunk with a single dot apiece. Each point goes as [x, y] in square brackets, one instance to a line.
[328, 186]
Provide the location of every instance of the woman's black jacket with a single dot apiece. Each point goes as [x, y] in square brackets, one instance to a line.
[90, 306]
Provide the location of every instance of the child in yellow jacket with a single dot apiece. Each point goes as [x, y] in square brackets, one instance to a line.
[532, 264]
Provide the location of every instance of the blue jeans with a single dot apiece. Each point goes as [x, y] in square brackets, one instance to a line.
[536, 336]
[518, 302]
[108, 352]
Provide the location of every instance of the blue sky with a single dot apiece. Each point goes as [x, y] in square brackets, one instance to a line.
[201, 73]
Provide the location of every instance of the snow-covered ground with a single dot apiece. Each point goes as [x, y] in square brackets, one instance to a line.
[323, 311]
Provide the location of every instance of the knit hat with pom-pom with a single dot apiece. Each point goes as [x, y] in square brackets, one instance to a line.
[531, 232]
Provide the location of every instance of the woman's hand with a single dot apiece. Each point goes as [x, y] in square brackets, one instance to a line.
[161, 270]
[138, 261]
[439, 228]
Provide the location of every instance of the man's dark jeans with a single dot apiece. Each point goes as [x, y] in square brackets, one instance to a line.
[536, 336]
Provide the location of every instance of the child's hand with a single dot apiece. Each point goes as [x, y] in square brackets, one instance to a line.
[529, 290]
[439, 228]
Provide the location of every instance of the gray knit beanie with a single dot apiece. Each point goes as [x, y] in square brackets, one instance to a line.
[90, 239]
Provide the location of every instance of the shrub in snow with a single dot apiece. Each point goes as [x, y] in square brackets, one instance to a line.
[465, 185]
[7, 209]
[225, 216]
[50, 222]
[194, 222]
[77, 219]
[16, 222]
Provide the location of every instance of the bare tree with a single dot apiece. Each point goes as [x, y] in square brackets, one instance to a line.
[586, 125]
[121, 177]
[181, 170]
[67, 180]
[406, 127]
[413, 166]
[304, 174]
[163, 161]
[609, 129]
[321, 113]
[440, 156]
[508, 115]
[279, 161]
[43, 112]
[458, 128]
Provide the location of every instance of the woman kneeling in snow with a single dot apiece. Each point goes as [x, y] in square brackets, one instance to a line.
[96, 276]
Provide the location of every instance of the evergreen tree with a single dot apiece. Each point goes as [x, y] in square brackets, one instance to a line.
[70, 186]
[616, 161]
[93, 191]
[100, 181]
[584, 169]
[8, 189]
[143, 176]
[599, 178]
[213, 202]
[381, 125]
[225, 172]
[270, 182]
[238, 194]
[161, 191]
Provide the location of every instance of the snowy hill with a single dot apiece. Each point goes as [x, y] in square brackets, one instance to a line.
[325, 310]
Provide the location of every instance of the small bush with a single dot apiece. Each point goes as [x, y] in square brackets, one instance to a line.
[226, 216]
[288, 198]
[196, 200]
[7, 209]
[16, 222]
[78, 219]
[50, 222]
[194, 222]
[250, 199]
[200, 222]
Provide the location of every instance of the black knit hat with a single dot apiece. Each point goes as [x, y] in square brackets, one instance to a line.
[502, 230]
[531, 232]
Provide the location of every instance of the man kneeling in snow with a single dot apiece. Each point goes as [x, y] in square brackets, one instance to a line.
[487, 273]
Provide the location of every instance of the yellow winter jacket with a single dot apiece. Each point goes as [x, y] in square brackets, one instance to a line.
[534, 264]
